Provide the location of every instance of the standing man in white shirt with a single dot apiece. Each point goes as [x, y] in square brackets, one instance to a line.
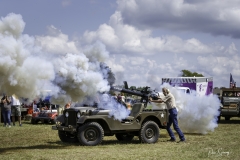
[16, 110]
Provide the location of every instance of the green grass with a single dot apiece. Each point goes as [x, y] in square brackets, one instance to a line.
[40, 142]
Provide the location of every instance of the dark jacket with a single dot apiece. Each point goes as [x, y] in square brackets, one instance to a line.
[5, 103]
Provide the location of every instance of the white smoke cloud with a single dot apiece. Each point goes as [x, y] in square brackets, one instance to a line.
[117, 110]
[105, 101]
[12, 25]
[199, 113]
[29, 66]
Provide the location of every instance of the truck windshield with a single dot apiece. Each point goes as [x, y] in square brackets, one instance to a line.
[85, 105]
[184, 91]
[181, 90]
[231, 94]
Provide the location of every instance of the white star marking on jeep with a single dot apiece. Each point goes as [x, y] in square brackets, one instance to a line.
[162, 115]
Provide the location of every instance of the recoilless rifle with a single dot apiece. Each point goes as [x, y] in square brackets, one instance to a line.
[145, 93]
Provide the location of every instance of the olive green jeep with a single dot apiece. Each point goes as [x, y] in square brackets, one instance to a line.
[89, 125]
[230, 103]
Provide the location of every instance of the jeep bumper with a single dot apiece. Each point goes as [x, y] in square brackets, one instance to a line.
[64, 128]
[42, 118]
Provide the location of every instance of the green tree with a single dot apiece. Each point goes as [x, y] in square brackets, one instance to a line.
[133, 88]
[187, 73]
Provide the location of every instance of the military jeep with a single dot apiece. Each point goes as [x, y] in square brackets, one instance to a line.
[89, 125]
[230, 103]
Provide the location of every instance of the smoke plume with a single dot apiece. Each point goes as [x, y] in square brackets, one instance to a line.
[32, 67]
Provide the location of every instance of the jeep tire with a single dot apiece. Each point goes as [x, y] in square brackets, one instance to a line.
[124, 137]
[67, 137]
[34, 121]
[53, 121]
[149, 132]
[90, 134]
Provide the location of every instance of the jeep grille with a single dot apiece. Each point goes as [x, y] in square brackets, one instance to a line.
[71, 119]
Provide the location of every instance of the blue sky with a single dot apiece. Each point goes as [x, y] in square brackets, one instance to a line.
[71, 17]
[141, 41]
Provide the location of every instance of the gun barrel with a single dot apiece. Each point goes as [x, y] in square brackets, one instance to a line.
[137, 93]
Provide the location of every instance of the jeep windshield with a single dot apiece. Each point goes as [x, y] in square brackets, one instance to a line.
[231, 94]
[86, 105]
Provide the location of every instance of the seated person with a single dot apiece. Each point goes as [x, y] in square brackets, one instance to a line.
[44, 108]
[67, 106]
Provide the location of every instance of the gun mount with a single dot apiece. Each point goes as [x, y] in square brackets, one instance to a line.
[144, 94]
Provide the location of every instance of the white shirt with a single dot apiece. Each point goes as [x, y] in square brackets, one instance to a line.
[123, 98]
[169, 100]
[15, 101]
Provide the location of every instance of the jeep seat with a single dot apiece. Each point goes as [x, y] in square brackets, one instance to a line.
[136, 109]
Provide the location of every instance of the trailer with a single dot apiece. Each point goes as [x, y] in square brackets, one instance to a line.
[201, 85]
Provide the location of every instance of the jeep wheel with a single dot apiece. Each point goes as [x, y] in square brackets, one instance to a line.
[67, 137]
[45, 121]
[124, 137]
[149, 132]
[33, 121]
[90, 134]
[53, 121]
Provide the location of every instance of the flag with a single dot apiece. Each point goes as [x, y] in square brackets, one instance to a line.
[232, 82]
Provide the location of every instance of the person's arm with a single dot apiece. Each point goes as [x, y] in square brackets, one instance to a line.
[156, 101]
[161, 100]
[8, 100]
[2, 100]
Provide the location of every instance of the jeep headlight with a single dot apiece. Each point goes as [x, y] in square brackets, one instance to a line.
[66, 114]
[78, 115]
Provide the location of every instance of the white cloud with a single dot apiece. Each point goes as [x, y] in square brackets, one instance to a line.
[120, 37]
[166, 55]
[231, 49]
[105, 33]
[56, 42]
[214, 17]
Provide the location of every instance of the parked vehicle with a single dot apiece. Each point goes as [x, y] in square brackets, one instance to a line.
[88, 125]
[44, 112]
[230, 103]
[201, 85]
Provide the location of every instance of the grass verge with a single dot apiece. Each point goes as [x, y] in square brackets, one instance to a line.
[40, 142]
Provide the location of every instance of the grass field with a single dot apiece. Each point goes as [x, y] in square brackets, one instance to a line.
[40, 142]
